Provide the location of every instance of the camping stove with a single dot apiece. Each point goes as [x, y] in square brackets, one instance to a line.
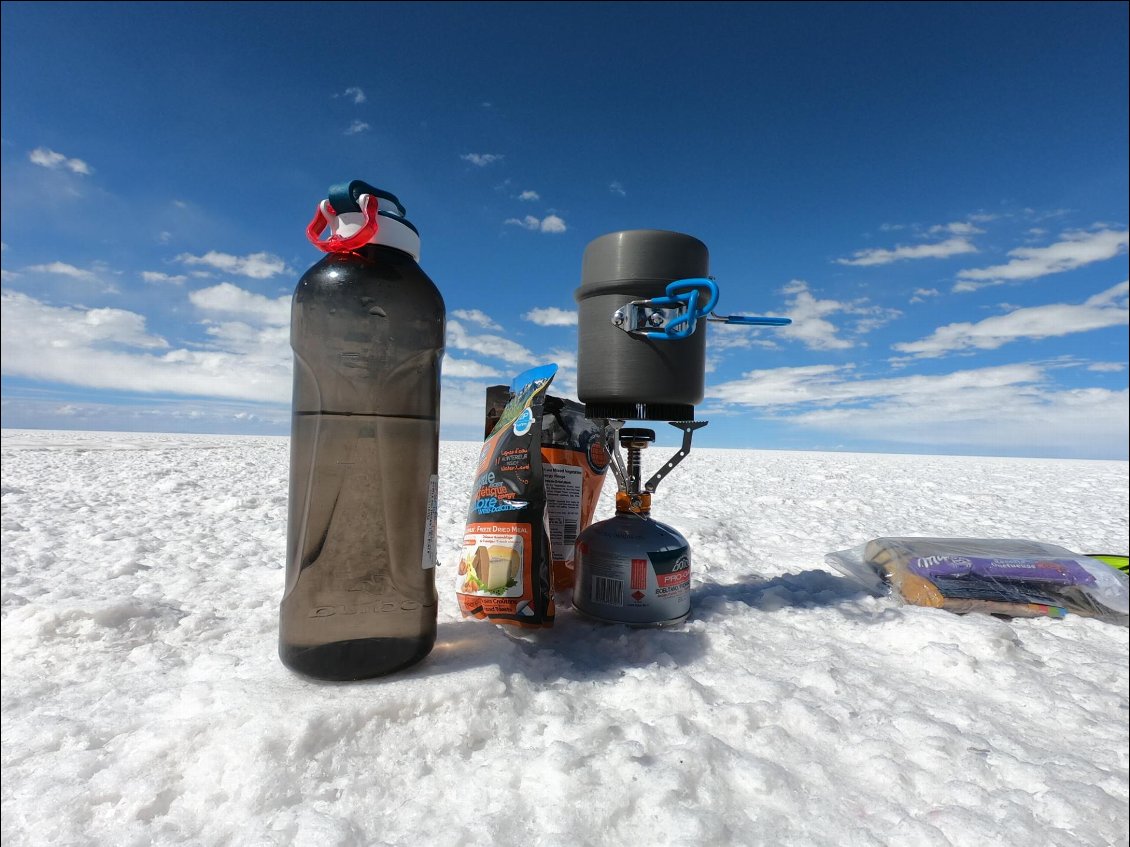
[643, 305]
[631, 568]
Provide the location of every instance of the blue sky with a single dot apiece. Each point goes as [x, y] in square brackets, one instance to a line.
[936, 194]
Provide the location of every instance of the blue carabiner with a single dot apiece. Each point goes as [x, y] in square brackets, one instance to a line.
[685, 293]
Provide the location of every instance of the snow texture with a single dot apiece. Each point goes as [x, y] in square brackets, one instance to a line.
[143, 701]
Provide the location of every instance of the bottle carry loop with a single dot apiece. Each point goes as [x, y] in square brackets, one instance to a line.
[325, 214]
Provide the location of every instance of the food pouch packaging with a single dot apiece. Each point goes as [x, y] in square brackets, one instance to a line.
[505, 569]
[574, 465]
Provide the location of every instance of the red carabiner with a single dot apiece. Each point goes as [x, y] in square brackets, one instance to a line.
[336, 243]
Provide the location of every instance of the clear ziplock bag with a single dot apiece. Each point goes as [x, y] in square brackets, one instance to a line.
[1009, 577]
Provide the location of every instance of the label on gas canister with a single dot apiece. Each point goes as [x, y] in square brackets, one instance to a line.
[646, 588]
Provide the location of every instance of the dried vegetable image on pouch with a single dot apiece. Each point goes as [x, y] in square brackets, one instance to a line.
[504, 573]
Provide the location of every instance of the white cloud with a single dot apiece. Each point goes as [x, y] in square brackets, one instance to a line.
[878, 317]
[356, 127]
[1005, 419]
[615, 187]
[725, 337]
[1107, 367]
[254, 265]
[1049, 214]
[228, 299]
[468, 369]
[47, 158]
[881, 256]
[920, 294]
[989, 408]
[476, 316]
[8, 275]
[63, 269]
[1108, 308]
[956, 228]
[552, 316]
[566, 360]
[832, 385]
[780, 386]
[550, 223]
[529, 195]
[1074, 250]
[462, 406]
[158, 276]
[355, 94]
[487, 345]
[259, 348]
[565, 383]
[111, 349]
[809, 318]
[159, 414]
[69, 328]
[481, 160]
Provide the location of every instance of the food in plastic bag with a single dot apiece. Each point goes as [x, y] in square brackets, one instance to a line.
[505, 571]
[1010, 577]
[574, 464]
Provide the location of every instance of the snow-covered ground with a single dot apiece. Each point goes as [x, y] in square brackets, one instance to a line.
[143, 702]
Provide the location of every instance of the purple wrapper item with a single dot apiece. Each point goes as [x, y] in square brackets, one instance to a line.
[1023, 569]
[940, 566]
[1058, 571]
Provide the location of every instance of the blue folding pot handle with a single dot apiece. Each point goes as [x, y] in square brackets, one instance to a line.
[749, 320]
[686, 293]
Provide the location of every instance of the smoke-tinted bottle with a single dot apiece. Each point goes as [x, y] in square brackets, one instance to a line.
[367, 328]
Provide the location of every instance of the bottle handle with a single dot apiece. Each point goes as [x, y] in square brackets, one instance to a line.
[325, 213]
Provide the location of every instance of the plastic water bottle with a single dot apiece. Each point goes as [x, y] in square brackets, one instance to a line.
[367, 328]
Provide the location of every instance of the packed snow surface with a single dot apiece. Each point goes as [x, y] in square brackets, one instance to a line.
[144, 703]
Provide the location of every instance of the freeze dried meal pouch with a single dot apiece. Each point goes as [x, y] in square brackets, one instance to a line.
[574, 464]
[1010, 577]
[505, 570]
